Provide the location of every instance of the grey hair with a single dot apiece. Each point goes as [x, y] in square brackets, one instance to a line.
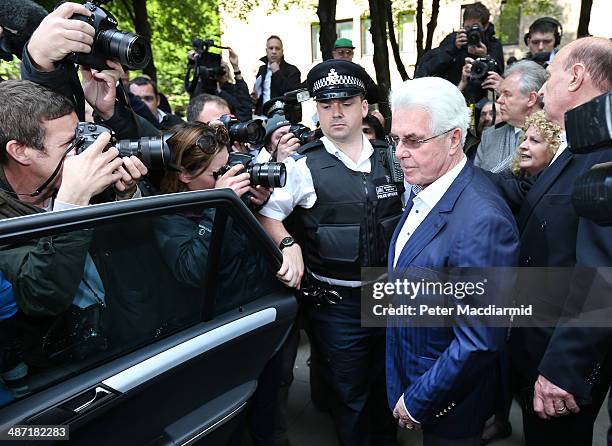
[441, 99]
[532, 76]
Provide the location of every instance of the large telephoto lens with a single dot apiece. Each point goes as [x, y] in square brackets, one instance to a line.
[252, 132]
[268, 174]
[129, 49]
[154, 151]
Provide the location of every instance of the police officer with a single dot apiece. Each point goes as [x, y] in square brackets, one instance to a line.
[342, 207]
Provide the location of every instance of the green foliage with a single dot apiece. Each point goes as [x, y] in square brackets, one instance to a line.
[174, 23]
[541, 8]
[10, 70]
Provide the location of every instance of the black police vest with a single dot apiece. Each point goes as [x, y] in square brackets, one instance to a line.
[351, 224]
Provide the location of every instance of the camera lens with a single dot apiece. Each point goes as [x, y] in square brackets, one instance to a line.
[268, 174]
[130, 49]
[154, 151]
[252, 132]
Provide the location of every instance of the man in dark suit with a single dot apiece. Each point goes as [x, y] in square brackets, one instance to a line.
[444, 379]
[561, 372]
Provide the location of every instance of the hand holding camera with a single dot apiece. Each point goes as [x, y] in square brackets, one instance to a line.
[90, 172]
[58, 36]
[99, 88]
[288, 144]
[233, 179]
[461, 38]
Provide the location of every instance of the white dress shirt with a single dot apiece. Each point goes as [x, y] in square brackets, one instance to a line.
[267, 81]
[423, 203]
[300, 191]
[561, 148]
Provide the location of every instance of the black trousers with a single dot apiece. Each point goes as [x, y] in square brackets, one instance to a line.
[352, 363]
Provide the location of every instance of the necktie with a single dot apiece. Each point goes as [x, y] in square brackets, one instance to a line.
[416, 189]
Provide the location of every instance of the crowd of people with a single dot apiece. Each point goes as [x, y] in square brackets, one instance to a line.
[474, 171]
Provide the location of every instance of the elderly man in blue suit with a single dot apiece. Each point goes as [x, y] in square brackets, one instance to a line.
[444, 380]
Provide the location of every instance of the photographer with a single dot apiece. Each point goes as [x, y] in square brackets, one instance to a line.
[448, 59]
[233, 90]
[543, 40]
[44, 62]
[60, 275]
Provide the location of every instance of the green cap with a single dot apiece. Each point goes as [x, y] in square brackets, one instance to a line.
[343, 43]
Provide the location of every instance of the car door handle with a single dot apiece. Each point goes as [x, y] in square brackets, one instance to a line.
[78, 405]
[100, 394]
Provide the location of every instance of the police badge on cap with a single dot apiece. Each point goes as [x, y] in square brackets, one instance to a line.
[336, 79]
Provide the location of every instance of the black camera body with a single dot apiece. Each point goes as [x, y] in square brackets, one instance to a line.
[154, 152]
[131, 50]
[252, 132]
[480, 70]
[261, 174]
[475, 35]
[304, 134]
[206, 67]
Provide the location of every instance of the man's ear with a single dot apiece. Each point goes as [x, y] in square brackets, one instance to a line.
[455, 142]
[158, 100]
[364, 108]
[578, 72]
[532, 99]
[18, 152]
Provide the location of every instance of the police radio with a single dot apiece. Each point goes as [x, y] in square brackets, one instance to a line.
[397, 175]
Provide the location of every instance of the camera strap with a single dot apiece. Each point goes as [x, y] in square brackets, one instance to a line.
[75, 144]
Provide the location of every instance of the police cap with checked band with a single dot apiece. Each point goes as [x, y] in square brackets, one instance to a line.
[336, 79]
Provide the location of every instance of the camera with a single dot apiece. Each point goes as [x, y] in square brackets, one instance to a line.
[304, 134]
[153, 151]
[480, 70]
[262, 174]
[252, 131]
[206, 67]
[589, 129]
[475, 35]
[292, 108]
[131, 50]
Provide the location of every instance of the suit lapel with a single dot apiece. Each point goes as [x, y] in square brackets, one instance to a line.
[435, 220]
[399, 226]
[541, 186]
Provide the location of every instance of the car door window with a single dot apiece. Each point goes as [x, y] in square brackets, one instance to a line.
[74, 300]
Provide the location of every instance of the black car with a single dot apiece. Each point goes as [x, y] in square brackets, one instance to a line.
[170, 353]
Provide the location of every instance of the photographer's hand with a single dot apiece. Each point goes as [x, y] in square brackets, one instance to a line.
[233, 58]
[260, 195]
[100, 88]
[238, 183]
[465, 73]
[90, 172]
[479, 50]
[288, 144]
[493, 81]
[57, 36]
[461, 39]
[132, 171]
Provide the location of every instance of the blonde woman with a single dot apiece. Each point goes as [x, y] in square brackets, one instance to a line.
[542, 140]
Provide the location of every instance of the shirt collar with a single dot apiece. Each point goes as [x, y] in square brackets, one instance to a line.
[561, 148]
[160, 115]
[436, 190]
[366, 151]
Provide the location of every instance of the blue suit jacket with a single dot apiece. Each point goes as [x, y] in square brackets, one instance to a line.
[449, 376]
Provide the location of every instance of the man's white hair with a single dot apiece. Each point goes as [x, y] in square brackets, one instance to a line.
[441, 99]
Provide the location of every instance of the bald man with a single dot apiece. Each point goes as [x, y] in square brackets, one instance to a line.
[561, 371]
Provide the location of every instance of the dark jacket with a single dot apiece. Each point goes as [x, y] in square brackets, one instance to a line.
[552, 235]
[287, 78]
[238, 97]
[64, 80]
[447, 60]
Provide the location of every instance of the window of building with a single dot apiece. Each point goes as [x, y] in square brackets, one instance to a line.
[367, 46]
[344, 29]
[407, 32]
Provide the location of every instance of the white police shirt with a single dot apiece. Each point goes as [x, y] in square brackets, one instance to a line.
[300, 191]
